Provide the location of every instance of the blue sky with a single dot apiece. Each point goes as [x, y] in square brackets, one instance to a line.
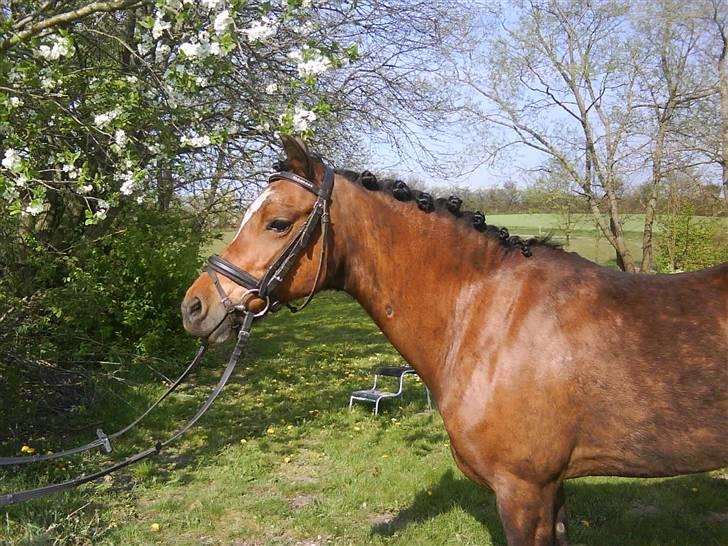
[513, 168]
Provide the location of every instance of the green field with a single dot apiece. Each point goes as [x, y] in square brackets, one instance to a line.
[584, 239]
[280, 460]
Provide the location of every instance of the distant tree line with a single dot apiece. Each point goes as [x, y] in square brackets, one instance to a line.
[547, 195]
[609, 92]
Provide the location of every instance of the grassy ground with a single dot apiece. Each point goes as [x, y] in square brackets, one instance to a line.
[280, 460]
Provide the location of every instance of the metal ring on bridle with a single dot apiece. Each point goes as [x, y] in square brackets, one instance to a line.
[242, 307]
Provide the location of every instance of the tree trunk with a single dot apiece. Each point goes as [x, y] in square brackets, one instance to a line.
[647, 233]
[620, 259]
[625, 262]
[165, 188]
[723, 72]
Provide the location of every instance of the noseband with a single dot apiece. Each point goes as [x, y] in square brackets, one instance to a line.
[263, 288]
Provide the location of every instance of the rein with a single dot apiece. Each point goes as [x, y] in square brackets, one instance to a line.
[262, 288]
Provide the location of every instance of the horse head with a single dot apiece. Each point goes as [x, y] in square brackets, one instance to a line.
[271, 229]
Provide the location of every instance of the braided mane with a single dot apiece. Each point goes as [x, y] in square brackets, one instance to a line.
[451, 205]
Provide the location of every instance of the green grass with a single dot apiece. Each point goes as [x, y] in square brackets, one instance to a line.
[280, 460]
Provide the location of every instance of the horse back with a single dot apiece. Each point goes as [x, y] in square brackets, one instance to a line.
[652, 371]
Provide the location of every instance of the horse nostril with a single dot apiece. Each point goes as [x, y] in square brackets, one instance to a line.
[195, 307]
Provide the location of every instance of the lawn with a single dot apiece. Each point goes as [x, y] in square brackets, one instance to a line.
[280, 460]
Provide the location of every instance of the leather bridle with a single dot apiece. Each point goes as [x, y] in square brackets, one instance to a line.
[264, 287]
[242, 318]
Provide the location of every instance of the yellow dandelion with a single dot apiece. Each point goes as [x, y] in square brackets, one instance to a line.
[27, 449]
[155, 527]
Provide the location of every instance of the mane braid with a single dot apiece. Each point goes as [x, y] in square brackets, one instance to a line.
[448, 206]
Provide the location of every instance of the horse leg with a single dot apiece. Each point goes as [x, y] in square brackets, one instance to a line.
[561, 529]
[528, 512]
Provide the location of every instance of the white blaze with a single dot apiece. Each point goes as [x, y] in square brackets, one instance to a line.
[253, 208]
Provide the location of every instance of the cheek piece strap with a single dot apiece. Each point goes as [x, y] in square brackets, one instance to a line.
[276, 273]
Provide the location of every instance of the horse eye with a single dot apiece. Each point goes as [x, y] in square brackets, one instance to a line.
[279, 225]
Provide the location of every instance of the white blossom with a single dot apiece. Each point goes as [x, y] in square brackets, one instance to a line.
[160, 25]
[10, 194]
[314, 66]
[305, 28]
[102, 120]
[210, 4]
[47, 83]
[162, 52]
[35, 208]
[299, 54]
[84, 189]
[195, 49]
[196, 142]
[302, 118]
[306, 3]
[215, 48]
[145, 46]
[260, 31]
[120, 138]
[15, 102]
[271, 88]
[222, 22]
[59, 47]
[127, 188]
[21, 181]
[71, 170]
[12, 160]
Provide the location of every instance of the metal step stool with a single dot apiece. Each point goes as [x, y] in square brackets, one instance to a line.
[375, 395]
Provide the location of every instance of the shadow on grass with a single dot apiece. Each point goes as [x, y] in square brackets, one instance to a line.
[687, 510]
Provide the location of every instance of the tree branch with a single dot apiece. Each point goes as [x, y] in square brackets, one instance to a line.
[67, 17]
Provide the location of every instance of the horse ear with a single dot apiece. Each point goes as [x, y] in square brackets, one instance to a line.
[300, 160]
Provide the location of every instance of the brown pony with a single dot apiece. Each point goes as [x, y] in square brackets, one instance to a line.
[545, 366]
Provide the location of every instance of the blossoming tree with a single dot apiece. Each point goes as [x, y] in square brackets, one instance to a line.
[109, 102]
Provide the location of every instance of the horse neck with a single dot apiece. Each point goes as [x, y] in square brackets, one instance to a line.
[412, 272]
